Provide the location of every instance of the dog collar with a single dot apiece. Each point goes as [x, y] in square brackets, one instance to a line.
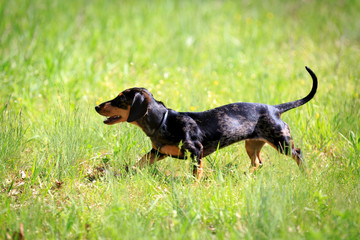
[161, 124]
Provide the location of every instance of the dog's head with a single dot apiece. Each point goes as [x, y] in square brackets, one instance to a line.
[128, 106]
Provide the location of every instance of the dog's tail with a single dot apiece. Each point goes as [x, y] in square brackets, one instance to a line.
[290, 105]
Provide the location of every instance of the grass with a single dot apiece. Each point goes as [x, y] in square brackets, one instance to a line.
[61, 167]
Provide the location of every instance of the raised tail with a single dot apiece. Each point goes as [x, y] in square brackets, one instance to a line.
[290, 105]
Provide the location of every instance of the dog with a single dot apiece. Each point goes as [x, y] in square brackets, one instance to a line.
[175, 133]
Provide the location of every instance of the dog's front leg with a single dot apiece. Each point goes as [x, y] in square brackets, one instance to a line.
[149, 158]
[198, 169]
[196, 150]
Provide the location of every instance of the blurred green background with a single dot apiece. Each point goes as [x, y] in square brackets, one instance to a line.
[58, 59]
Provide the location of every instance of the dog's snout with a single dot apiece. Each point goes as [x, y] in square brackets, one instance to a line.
[97, 108]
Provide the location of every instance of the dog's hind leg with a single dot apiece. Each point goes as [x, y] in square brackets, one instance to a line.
[285, 145]
[277, 134]
[253, 148]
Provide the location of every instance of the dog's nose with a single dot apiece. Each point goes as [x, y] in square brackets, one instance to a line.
[97, 108]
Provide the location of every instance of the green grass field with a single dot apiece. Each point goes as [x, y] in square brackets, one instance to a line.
[61, 167]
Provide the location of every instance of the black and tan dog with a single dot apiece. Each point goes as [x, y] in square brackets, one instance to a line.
[201, 133]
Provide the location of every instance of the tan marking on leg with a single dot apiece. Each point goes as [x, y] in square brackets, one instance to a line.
[148, 159]
[200, 170]
[295, 154]
[171, 150]
[253, 148]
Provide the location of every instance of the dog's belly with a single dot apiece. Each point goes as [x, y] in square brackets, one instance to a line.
[212, 146]
[226, 136]
[227, 130]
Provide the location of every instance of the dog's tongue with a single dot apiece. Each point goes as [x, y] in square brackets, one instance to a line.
[111, 119]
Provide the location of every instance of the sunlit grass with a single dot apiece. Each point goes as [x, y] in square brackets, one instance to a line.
[62, 168]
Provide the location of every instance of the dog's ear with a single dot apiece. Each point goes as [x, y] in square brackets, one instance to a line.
[139, 106]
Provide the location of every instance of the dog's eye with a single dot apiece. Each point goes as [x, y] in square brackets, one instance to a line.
[119, 101]
[115, 102]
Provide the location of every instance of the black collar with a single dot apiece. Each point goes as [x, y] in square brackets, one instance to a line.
[161, 124]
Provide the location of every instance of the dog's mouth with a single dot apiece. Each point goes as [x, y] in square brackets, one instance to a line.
[112, 119]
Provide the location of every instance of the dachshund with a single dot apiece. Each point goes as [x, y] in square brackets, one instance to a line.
[175, 133]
